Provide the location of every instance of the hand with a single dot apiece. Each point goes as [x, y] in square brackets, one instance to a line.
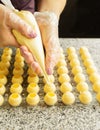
[8, 21]
[48, 24]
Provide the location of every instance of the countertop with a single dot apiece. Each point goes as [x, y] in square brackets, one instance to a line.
[59, 116]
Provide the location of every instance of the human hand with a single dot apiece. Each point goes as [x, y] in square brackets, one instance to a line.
[48, 24]
[8, 21]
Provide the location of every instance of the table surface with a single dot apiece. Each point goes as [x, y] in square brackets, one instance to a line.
[58, 117]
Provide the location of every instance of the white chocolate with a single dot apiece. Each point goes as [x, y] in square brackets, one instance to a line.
[17, 79]
[15, 99]
[1, 100]
[5, 64]
[72, 56]
[76, 70]
[65, 87]
[85, 97]
[4, 60]
[49, 87]
[33, 79]
[85, 56]
[91, 69]
[32, 99]
[18, 51]
[79, 78]
[74, 62]
[68, 98]
[96, 86]
[19, 58]
[33, 88]
[19, 64]
[2, 89]
[6, 57]
[88, 63]
[71, 50]
[7, 50]
[51, 79]
[94, 77]
[3, 79]
[16, 88]
[61, 62]
[82, 86]
[83, 50]
[50, 98]
[86, 53]
[31, 72]
[64, 78]
[62, 70]
[3, 70]
[18, 71]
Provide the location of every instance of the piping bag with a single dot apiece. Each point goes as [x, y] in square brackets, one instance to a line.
[34, 45]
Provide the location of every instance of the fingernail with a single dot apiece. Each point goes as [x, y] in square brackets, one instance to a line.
[49, 71]
[32, 34]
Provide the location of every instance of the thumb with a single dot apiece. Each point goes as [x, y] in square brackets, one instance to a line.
[15, 22]
[50, 62]
[30, 59]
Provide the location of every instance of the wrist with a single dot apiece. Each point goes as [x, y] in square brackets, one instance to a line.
[47, 17]
[55, 6]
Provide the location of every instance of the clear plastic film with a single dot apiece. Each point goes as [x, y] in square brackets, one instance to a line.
[34, 45]
[49, 21]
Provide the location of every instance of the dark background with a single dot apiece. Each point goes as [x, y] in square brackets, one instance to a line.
[80, 18]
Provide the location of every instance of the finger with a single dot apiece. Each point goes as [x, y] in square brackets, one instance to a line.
[26, 54]
[35, 66]
[15, 22]
[51, 59]
[30, 59]
[52, 53]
